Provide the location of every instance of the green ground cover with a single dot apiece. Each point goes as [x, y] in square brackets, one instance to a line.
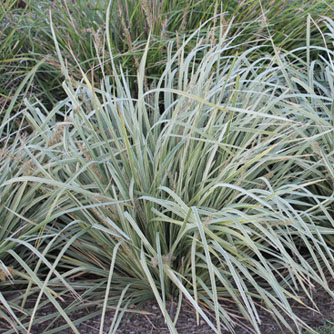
[166, 150]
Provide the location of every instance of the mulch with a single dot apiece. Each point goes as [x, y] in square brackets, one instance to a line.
[151, 320]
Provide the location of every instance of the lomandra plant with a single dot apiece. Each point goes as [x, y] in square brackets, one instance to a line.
[201, 188]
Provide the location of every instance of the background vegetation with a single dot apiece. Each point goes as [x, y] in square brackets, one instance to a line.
[165, 150]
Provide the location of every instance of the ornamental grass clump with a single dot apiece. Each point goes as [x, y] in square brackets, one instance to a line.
[206, 187]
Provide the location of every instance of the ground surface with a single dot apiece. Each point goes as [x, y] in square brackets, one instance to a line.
[151, 321]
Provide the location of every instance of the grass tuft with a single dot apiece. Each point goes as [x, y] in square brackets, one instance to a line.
[210, 181]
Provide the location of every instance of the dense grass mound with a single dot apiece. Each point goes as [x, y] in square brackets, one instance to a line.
[216, 183]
